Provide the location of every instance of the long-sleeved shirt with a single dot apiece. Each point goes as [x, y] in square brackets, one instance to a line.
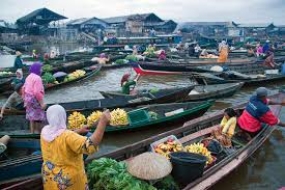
[34, 86]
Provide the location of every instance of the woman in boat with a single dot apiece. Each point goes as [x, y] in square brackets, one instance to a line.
[269, 61]
[103, 59]
[19, 78]
[34, 54]
[128, 85]
[162, 55]
[224, 51]
[135, 50]
[18, 63]
[34, 98]
[62, 150]
[258, 112]
[227, 127]
[15, 100]
[259, 50]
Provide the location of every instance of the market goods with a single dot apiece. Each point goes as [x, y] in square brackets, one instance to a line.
[91, 119]
[74, 75]
[47, 68]
[76, 120]
[131, 58]
[167, 147]
[119, 117]
[153, 115]
[2, 73]
[199, 148]
[48, 78]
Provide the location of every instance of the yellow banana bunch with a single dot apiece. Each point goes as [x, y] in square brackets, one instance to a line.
[77, 74]
[199, 148]
[119, 117]
[76, 120]
[91, 119]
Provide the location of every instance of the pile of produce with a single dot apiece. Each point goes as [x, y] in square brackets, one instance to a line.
[132, 58]
[74, 75]
[108, 174]
[91, 119]
[47, 68]
[121, 61]
[76, 120]
[199, 148]
[165, 148]
[153, 115]
[48, 78]
[3, 73]
[119, 117]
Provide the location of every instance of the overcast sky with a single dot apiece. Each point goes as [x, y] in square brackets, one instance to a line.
[241, 11]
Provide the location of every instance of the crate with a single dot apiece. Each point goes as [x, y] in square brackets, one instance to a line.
[138, 116]
[154, 144]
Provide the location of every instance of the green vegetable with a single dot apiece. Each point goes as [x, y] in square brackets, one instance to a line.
[47, 68]
[48, 78]
[153, 115]
[166, 183]
[131, 58]
[154, 90]
[121, 61]
[108, 174]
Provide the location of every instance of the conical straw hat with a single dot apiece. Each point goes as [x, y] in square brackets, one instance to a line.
[18, 53]
[149, 166]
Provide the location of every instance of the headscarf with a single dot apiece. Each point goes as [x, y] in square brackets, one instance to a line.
[20, 72]
[102, 55]
[36, 68]
[125, 78]
[56, 117]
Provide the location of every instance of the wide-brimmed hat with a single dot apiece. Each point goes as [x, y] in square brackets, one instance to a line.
[18, 53]
[149, 166]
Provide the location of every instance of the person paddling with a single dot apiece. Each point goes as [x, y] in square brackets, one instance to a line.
[127, 84]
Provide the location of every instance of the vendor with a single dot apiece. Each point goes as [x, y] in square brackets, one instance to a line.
[19, 77]
[34, 54]
[127, 84]
[14, 101]
[18, 63]
[103, 59]
[162, 55]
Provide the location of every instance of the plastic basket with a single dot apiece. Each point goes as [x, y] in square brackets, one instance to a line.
[154, 144]
[138, 116]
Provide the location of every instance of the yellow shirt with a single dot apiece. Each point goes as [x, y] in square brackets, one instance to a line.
[63, 166]
[228, 126]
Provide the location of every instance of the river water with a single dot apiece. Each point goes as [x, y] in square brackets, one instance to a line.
[264, 170]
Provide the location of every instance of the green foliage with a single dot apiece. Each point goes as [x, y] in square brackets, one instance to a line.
[47, 68]
[48, 78]
[166, 183]
[121, 61]
[153, 115]
[108, 174]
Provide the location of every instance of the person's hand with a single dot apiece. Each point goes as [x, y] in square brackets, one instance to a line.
[83, 130]
[106, 117]
[43, 106]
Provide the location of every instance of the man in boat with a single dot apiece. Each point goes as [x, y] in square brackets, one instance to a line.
[18, 63]
[258, 112]
[127, 84]
[15, 100]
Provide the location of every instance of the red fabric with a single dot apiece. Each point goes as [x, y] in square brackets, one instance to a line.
[248, 123]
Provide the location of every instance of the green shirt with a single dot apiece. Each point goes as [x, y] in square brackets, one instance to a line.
[127, 85]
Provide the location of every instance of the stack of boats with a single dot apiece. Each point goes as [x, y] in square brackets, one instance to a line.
[21, 164]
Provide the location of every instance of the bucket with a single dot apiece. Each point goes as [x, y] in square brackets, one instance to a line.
[187, 166]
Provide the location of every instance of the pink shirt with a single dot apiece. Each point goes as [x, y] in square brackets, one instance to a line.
[34, 86]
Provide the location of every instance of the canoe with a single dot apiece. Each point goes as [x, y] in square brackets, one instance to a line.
[197, 94]
[139, 118]
[90, 72]
[206, 78]
[164, 68]
[189, 131]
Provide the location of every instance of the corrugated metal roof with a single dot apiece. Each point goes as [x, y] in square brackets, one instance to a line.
[77, 21]
[255, 25]
[208, 23]
[121, 19]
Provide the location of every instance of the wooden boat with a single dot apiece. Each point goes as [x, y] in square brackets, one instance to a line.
[190, 131]
[206, 78]
[197, 94]
[139, 117]
[163, 68]
[90, 72]
[16, 121]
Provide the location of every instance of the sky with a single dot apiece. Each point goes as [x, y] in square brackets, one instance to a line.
[239, 11]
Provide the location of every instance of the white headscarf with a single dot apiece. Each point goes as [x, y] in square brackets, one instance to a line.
[56, 117]
[20, 71]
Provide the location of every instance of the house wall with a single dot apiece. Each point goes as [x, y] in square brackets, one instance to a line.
[134, 26]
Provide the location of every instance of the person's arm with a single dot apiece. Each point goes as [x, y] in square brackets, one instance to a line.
[10, 99]
[39, 93]
[274, 102]
[97, 136]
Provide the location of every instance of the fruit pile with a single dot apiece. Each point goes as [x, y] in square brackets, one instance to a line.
[74, 75]
[2, 73]
[91, 119]
[165, 148]
[199, 148]
[119, 117]
[76, 120]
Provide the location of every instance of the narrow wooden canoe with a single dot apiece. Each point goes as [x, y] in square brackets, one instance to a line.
[139, 118]
[197, 94]
[207, 79]
[189, 131]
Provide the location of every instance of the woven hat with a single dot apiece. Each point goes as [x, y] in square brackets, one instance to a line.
[149, 166]
[18, 53]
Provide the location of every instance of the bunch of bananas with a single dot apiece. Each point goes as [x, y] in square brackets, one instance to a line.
[91, 119]
[119, 117]
[199, 148]
[167, 147]
[74, 75]
[76, 120]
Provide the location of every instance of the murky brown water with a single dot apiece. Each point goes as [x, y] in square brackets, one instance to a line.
[264, 170]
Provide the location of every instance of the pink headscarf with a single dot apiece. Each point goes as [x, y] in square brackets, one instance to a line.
[56, 117]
